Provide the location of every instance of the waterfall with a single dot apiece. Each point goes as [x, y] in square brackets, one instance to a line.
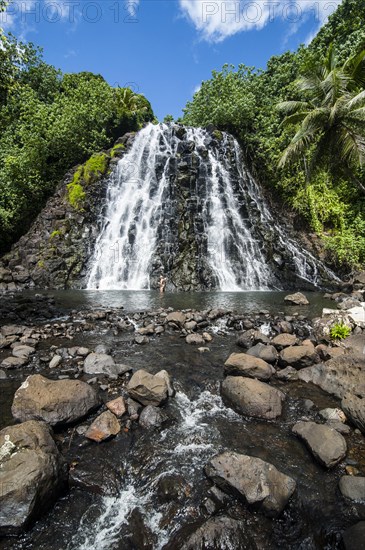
[182, 201]
[126, 243]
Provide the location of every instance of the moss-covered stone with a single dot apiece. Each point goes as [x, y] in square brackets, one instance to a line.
[218, 135]
[117, 149]
[95, 167]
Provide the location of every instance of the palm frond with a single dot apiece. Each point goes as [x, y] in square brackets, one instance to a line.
[354, 67]
[291, 107]
[356, 101]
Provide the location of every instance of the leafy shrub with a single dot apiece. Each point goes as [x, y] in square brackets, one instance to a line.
[339, 331]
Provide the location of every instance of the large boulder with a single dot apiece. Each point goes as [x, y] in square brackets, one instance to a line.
[352, 487]
[265, 352]
[177, 318]
[297, 298]
[339, 376]
[255, 481]
[55, 402]
[298, 357]
[32, 473]
[354, 407]
[326, 444]
[149, 389]
[252, 398]
[101, 363]
[221, 533]
[284, 340]
[354, 536]
[241, 364]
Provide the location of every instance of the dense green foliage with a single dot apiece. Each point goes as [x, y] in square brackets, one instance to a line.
[48, 123]
[244, 102]
[339, 331]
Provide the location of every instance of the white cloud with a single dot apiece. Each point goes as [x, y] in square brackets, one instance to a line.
[197, 89]
[217, 20]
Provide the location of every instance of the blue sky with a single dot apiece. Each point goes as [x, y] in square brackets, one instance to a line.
[163, 48]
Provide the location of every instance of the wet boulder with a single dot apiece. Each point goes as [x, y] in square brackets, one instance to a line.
[242, 364]
[298, 357]
[149, 389]
[354, 406]
[101, 363]
[55, 402]
[326, 444]
[177, 318]
[353, 487]
[284, 340]
[353, 537]
[297, 299]
[256, 482]
[104, 426]
[267, 353]
[252, 397]
[151, 417]
[196, 339]
[339, 376]
[223, 533]
[32, 473]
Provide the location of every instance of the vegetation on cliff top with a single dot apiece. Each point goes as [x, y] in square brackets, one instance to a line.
[244, 102]
[49, 122]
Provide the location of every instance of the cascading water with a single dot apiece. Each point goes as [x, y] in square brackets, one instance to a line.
[127, 240]
[182, 201]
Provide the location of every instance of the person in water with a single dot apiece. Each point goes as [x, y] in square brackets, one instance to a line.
[162, 283]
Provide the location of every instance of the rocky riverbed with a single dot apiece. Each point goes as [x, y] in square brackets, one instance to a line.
[182, 429]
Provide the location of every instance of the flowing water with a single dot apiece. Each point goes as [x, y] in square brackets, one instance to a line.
[232, 227]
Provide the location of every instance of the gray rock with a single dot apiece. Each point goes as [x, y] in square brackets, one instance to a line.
[265, 352]
[339, 376]
[354, 407]
[104, 426]
[298, 357]
[341, 428]
[195, 339]
[55, 362]
[333, 414]
[3, 375]
[287, 374]
[141, 339]
[242, 364]
[55, 402]
[355, 345]
[326, 444]
[14, 362]
[147, 388]
[298, 299]
[221, 533]
[100, 363]
[252, 398]
[102, 348]
[255, 481]
[151, 417]
[354, 536]
[353, 487]
[177, 317]
[23, 351]
[32, 474]
[284, 340]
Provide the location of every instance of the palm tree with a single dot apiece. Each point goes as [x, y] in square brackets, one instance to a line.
[332, 121]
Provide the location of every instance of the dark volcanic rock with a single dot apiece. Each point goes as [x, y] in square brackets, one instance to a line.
[252, 398]
[32, 474]
[327, 445]
[242, 364]
[257, 482]
[55, 402]
[354, 536]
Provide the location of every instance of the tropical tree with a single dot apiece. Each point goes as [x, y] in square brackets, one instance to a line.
[331, 132]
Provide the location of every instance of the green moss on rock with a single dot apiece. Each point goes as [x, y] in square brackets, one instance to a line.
[93, 169]
[117, 149]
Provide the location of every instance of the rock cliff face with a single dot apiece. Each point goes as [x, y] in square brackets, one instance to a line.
[201, 220]
[55, 251]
